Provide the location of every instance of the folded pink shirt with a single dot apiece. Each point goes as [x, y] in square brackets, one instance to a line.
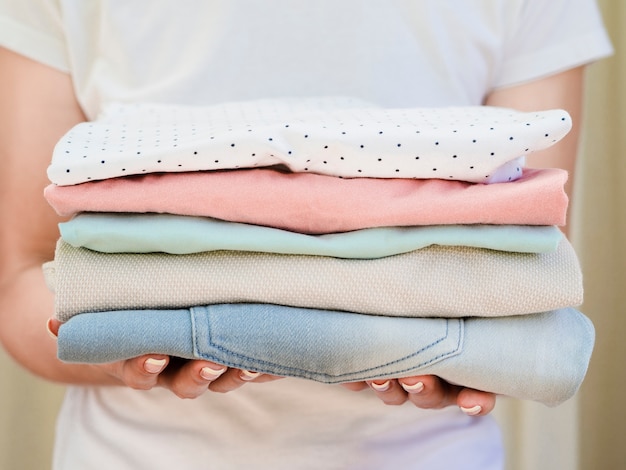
[311, 203]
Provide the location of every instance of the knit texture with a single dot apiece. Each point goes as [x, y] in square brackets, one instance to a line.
[431, 282]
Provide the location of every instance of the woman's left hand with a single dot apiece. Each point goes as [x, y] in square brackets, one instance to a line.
[429, 392]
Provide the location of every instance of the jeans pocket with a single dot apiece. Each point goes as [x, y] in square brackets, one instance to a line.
[322, 345]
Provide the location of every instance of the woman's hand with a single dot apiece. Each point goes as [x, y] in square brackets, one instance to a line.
[185, 378]
[191, 378]
[429, 392]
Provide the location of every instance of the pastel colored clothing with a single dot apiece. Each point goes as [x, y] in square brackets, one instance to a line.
[315, 204]
[176, 234]
[540, 357]
[399, 53]
[436, 281]
[478, 144]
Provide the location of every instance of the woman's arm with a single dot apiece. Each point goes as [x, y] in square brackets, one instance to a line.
[563, 91]
[38, 107]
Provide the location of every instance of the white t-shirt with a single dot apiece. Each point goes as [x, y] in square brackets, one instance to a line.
[392, 53]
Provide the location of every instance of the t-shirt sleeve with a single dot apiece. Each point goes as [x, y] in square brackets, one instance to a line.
[550, 36]
[33, 28]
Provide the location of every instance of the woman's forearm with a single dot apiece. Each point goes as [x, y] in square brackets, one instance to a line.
[25, 306]
[38, 107]
[563, 90]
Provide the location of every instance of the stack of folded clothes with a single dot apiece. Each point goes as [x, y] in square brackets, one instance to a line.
[324, 239]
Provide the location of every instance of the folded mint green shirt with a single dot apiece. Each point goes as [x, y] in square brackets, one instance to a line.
[175, 234]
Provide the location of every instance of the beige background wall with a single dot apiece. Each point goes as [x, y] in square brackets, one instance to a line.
[601, 239]
[28, 407]
[588, 432]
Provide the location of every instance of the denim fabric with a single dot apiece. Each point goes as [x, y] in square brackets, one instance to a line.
[178, 234]
[541, 356]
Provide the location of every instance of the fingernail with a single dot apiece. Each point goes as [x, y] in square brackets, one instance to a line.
[415, 388]
[473, 411]
[154, 366]
[382, 386]
[208, 373]
[248, 375]
[49, 329]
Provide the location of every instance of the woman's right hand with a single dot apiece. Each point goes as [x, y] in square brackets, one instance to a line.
[183, 377]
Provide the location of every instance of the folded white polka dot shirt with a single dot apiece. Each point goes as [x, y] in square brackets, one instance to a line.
[335, 137]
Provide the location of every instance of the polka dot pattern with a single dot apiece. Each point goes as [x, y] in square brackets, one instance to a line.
[327, 136]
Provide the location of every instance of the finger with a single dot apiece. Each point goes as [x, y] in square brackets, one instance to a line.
[192, 378]
[355, 386]
[389, 391]
[140, 373]
[475, 402]
[429, 392]
[432, 392]
[263, 378]
[235, 378]
[232, 380]
[52, 325]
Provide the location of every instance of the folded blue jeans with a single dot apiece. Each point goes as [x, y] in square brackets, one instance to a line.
[541, 357]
